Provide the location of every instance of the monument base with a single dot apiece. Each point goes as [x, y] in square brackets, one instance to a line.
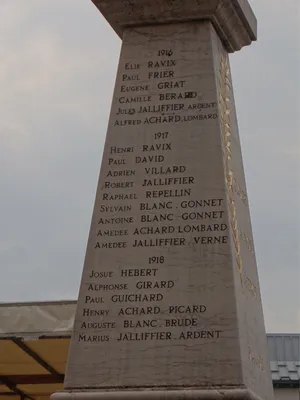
[186, 394]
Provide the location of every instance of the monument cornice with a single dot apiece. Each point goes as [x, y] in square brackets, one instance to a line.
[233, 20]
[187, 394]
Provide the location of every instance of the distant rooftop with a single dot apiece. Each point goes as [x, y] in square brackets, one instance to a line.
[284, 353]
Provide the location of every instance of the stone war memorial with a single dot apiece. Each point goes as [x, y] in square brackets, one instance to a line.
[169, 304]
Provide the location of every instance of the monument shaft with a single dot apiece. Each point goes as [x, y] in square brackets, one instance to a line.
[169, 299]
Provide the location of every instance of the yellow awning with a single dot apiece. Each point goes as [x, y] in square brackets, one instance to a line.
[34, 344]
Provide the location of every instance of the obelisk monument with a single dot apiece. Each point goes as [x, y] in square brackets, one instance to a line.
[169, 304]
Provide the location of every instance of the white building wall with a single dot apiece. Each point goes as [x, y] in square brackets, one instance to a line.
[287, 394]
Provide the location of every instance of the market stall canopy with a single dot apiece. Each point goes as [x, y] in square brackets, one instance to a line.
[34, 344]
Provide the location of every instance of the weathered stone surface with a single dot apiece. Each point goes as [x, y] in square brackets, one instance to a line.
[169, 298]
[233, 20]
[227, 394]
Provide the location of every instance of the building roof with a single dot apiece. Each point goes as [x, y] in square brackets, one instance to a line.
[284, 353]
[34, 344]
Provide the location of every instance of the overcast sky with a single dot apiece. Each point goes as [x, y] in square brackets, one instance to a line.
[58, 60]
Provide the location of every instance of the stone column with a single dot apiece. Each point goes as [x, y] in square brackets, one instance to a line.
[169, 304]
